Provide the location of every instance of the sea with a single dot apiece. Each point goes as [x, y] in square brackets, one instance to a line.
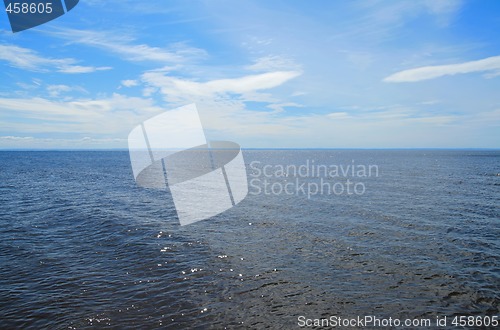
[82, 246]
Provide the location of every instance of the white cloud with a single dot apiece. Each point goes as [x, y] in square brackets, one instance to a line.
[34, 85]
[28, 59]
[57, 90]
[443, 10]
[250, 83]
[113, 115]
[273, 63]
[124, 46]
[16, 138]
[400, 12]
[221, 102]
[129, 83]
[338, 115]
[177, 90]
[30, 142]
[107, 121]
[132, 6]
[252, 43]
[280, 107]
[436, 71]
[492, 74]
[82, 69]
[225, 115]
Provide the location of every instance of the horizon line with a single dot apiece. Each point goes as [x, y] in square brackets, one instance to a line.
[276, 148]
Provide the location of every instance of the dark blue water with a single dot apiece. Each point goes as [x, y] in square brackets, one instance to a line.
[82, 246]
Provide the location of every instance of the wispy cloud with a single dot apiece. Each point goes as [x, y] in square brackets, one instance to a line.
[108, 121]
[385, 12]
[178, 90]
[57, 90]
[125, 46]
[112, 115]
[132, 6]
[338, 115]
[378, 20]
[490, 64]
[223, 102]
[27, 59]
[19, 142]
[129, 83]
[272, 63]
[82, 69]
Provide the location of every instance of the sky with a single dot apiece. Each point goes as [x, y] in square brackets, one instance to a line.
[270, 74]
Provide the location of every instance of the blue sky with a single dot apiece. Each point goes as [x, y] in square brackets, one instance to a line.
[363, 74]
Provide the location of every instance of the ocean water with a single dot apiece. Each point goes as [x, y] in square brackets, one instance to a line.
[82, 246]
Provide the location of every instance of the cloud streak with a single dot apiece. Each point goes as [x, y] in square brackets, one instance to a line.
[27, 59]
[31, 142]
[125, 46]
[111, 116]
[180, 90]
[490, 64]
